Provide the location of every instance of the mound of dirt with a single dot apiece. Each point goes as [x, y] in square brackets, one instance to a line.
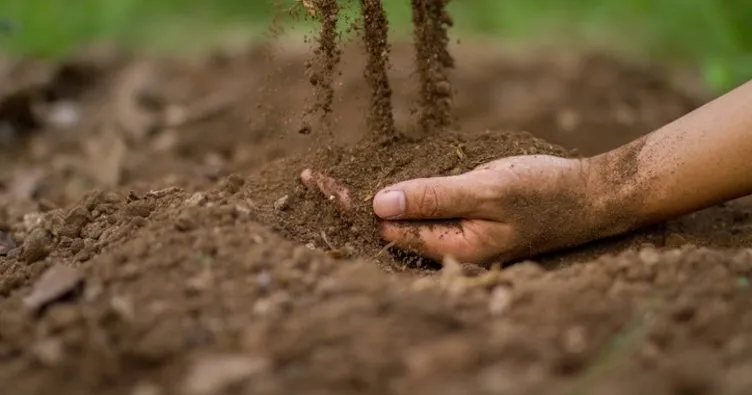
[364, 168]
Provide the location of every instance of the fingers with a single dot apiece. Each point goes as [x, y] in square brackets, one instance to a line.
[466, 241]
[328, 186]
[429, 198]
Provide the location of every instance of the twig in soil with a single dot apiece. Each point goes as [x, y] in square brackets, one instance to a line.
[385, 249]
[326, 241]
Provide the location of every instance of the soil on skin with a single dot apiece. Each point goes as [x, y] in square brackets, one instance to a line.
[137, 256]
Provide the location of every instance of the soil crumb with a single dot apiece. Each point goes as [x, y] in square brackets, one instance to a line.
[431, 22]
[365, 168]
[375, 36]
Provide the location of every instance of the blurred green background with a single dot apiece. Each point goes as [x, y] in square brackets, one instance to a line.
[715, 35]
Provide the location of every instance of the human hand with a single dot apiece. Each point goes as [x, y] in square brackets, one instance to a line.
[507, 209]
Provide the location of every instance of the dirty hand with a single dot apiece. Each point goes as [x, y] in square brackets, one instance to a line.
[507, 209]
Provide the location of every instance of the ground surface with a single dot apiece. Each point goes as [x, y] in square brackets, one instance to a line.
[141, 251]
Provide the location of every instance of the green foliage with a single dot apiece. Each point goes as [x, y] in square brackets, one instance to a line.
[716, 34]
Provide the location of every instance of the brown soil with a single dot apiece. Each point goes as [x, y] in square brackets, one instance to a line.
[141, 253]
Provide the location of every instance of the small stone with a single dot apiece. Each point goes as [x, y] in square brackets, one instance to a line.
[200, 282]
[74, 222]
[501, 299]
[146, 388]
[185, 223]
[675, 240]
[123, 308]
[139, 209]
[451, 269]
[48, 352]
[197, 199]
[7, 243]
[37, 245]
[264, 279]
[32, 221]
[217, 373]
[575, 339]
[159, 193]
[282, 203]
[55, 283]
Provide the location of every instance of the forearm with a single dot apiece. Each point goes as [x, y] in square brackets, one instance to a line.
[701, 159]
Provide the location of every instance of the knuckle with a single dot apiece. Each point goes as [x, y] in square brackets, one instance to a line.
[429, 203]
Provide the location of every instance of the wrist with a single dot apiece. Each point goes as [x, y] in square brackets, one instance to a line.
[618, 193]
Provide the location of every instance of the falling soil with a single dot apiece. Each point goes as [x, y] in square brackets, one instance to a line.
[375, 36]
[180, 276]
[324, 67]
[431, 21]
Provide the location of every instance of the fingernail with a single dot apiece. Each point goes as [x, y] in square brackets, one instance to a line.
[389, 204]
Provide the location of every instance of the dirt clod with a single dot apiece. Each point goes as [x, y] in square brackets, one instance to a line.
[57, 282]
[37, 245]
[216, 373]
[7, 243]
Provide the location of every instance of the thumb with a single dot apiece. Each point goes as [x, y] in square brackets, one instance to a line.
[426, 198]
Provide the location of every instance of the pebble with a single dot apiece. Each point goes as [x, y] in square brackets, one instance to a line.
[7, 243]
[501, 299]
[52, 285]
[37, 245]
[282, 203]
[32, 220]
[49, 352]
[197, 199]
[217, 373]
[146, 388]
[185, 223]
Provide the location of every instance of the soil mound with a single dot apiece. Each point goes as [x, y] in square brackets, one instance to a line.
[304, 215]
